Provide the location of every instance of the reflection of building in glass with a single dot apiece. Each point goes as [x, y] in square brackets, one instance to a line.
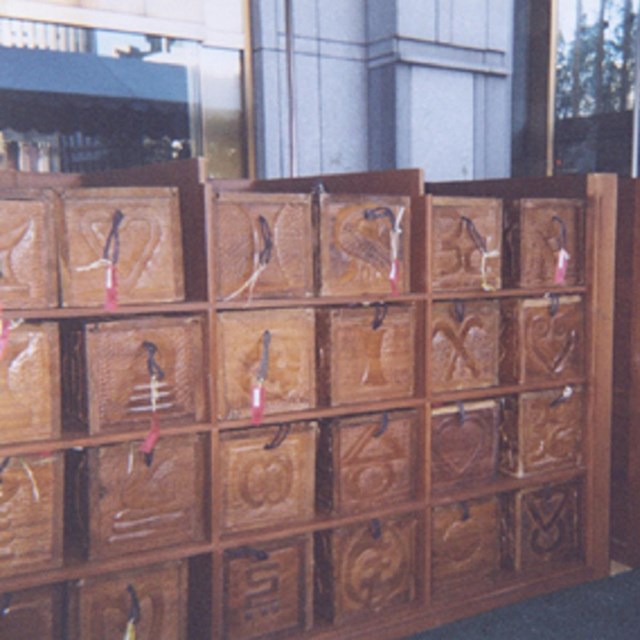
[595, 71]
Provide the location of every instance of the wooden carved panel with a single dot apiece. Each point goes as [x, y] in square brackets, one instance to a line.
[266, 238]
[536, 229]
[542, 527]
[28, 252]
[31, 499]
[118, 356]
[31, 614]
[357, 248]
[464, 444]
[464, 344]
[100, 606]
[543, 430]
[149, 264]
[543, 339]
[465, 547]
[369, 353]
[30, 361]
[290, 383]
[367, 462]
[268, 590]
[466, 243]
[134, 506]
[366, 569]
[267, 475]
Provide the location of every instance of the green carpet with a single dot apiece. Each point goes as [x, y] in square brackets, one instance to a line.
[607, 609]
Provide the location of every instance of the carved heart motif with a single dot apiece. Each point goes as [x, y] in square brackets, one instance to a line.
[458, 444]
[551, 341]
[139, 240]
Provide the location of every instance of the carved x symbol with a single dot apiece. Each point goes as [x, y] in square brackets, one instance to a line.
[457, 340]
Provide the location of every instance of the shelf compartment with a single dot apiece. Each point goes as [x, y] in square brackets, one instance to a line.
[29, 249]
[30, 361]
[466, 243]
[31, 514]
[267, 476]
[32, 613]
[270, 352]
[368, 462]
[367, 569]
[118, 374]
[366, 354]
[102, 606]
[137, 230]
[268, 589]
[264, 246]
[365, 244]
[464, 444]
[118, 502]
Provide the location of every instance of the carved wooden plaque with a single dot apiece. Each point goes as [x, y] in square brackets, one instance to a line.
[100, 606]
[464, 444]
[365, 569]
[542, 430]
[536, 230]
[132, 506]
[264, 245]
[543, 339]
[108, 370]
[367, 462]
[465, 547]
[464, 344]
[364, 245]
[268, 589]
[267, 475]
[280, 342]
[33, 613]
[466, 243]
[368, 353]
[543, 527]
[31, 505]
[28, 251]
[147, 243]
[30, 361]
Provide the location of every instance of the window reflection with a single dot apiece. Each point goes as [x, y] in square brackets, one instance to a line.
[595, 70]
[80, 100]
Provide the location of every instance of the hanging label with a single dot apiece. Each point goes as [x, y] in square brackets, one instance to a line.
[257, 404]
[130, 633]
[394, 277]
[561, 266]
[111, 288]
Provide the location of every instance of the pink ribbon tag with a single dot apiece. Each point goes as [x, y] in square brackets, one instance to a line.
[257, 404]
[561, 266]
[111, 288]
[150, 441]
[394, 277]
[4, 335]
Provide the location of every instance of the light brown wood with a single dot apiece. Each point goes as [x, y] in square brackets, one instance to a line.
[33, 613]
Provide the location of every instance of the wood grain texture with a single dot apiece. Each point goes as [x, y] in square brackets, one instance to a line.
[33, 613]
[456, 257]
[30, 361]
[150, 265]
[284, 237]
[100, 606]
[266, 481]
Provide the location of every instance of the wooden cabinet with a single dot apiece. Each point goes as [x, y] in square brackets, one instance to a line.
[344, 410]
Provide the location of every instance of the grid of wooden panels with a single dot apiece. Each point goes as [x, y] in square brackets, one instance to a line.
[342, 511]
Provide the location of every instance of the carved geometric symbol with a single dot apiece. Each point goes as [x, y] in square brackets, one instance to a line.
[266, 481]
[457, 340]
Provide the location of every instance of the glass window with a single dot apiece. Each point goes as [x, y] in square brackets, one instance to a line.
[80, 100]
[594, 85]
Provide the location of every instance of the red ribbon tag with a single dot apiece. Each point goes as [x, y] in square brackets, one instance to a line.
[561, 266]
[111, 288]
[257, 404]
[394, 277]
[149, 443]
